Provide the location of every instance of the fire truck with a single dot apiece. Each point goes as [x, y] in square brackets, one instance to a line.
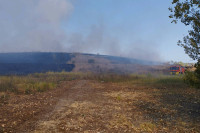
[175, 70]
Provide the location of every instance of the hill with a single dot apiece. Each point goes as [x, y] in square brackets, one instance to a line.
[37, 62]
[26, 63]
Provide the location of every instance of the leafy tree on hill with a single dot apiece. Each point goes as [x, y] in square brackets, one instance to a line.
[188, 12]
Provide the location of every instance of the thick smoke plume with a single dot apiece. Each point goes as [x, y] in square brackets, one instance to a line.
[99, 41]
[32, 25]
[37, 26]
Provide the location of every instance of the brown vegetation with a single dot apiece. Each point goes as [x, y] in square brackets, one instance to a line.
[103, 103]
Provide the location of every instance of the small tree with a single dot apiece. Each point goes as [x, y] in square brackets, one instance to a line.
[188, 12]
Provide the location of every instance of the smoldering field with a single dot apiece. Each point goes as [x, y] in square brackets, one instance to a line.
[40, 26]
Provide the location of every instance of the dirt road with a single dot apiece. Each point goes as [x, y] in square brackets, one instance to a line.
[82, 108]
[87, 107]
[69, 101]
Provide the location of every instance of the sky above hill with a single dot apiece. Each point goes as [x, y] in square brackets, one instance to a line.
[130, 28]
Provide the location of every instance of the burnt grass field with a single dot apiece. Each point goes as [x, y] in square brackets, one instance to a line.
[84, 102]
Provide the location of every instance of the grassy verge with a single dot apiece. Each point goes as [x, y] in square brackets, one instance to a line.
[144, 80]
[33, 83]
[40, 82]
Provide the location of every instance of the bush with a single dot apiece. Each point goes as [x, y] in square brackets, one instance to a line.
[197, 71]
[43, 86]
[192, 79]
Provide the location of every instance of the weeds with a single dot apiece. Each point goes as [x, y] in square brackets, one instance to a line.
[147, 127]
[7, 84]
[38, 82]
[118, 97]
[43, 86]
[41, 82]
[148, 79]
[4, 98]
[28, 91]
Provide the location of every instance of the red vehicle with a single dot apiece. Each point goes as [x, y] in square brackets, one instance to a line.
[175, 70]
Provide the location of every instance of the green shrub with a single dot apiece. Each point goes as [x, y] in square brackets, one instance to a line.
[197, 71]
[192, 79]
[43, 86]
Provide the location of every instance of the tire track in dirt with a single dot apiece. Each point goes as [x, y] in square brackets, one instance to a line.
[51, 120]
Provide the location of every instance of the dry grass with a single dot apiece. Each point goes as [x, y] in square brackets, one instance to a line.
[114, 103]
[33, 83]
[159, 104]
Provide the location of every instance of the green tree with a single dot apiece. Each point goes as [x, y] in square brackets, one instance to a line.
[188, 12]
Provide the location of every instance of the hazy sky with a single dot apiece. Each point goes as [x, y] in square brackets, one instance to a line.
[132, 28]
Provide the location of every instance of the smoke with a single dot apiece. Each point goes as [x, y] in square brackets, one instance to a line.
[89, 43]
[32, 25]
[97, 41]
[36, 25]
[100, 41]
[146, 50]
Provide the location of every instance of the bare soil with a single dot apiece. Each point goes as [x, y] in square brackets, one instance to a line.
[93, 107]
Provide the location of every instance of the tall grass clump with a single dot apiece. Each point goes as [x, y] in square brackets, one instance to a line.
[4, 98]
[115, 77]
[43, 86]
[7, 84]
[171, 81]
[28, 84]
[149, 80]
